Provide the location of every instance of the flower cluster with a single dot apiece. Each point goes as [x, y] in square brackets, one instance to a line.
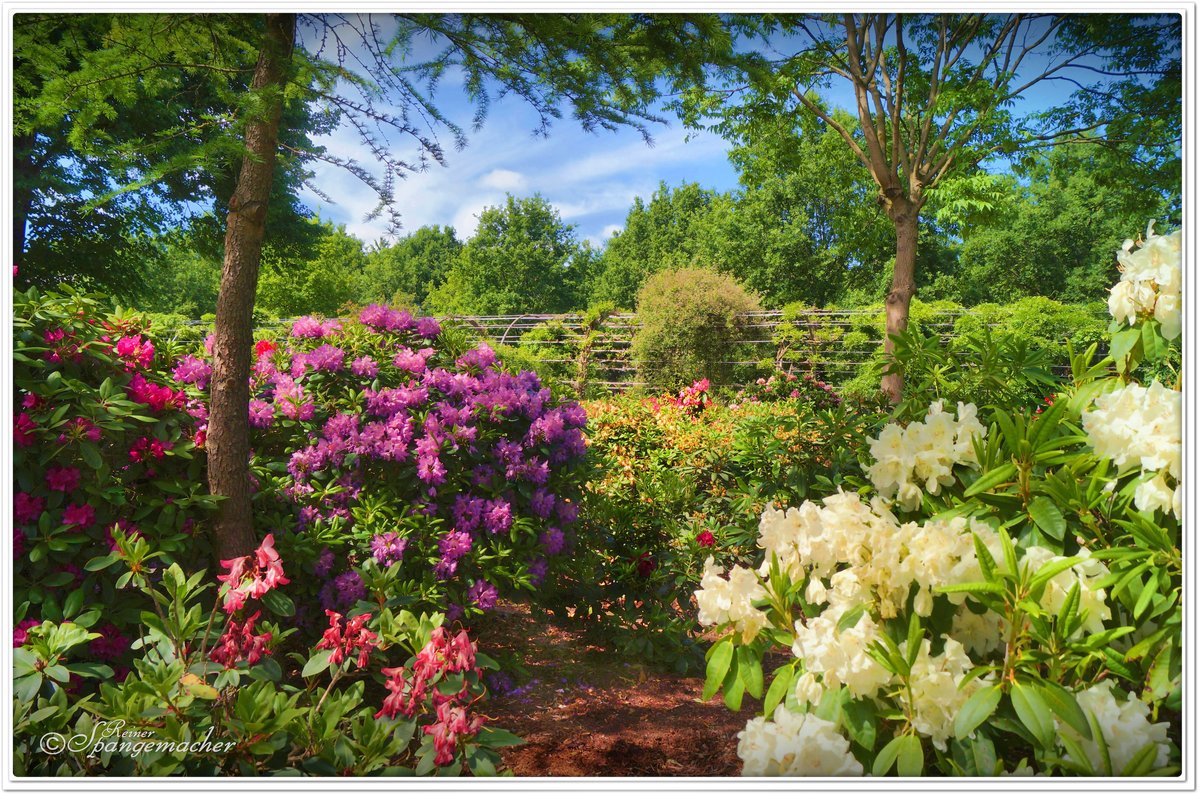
[252, 575]
[1142, 426]
[1151, 282]
[348, 637]
[795, 745]
[239, 642]
[923, 454]
[788, 386]
[730, 601]
[1125, 724]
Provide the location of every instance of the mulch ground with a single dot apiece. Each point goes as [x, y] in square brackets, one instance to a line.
[582, 711]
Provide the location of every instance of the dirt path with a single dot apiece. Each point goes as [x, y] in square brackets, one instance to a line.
[584, 712]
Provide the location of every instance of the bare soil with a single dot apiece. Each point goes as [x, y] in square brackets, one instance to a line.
[582, 711]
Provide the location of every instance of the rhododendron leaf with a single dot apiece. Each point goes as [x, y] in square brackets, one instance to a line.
[750, 670]
[278, 603]
[735, 688]
[1142, 762]
[91, 455]
[860, 723]
[991, 479]
[1067, 614]
[978, 708]
[913, 640]
[910, 760]
[25, 688]
[887, 757]
[1048, 572]
[779, 688]
[721, 654]
[317, 664]
[498, 738]
[1010, 552]
[1011, 435]
[1101, 744]
[1145, 598]
[1063, 702]
[971, 587]
[1031, 708]
[1153, 345]
[851, 618]
[1048, 517]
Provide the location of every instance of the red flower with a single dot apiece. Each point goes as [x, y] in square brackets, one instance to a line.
[646, 565]
[62, 478]
[706, 539]
[346, 642]
[240, 643]
[252, 575]
[23, 430]
[263, 348]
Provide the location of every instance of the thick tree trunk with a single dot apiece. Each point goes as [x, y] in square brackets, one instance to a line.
[903, 213]
[228, 424]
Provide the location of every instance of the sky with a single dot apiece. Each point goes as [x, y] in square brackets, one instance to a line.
[592, 178]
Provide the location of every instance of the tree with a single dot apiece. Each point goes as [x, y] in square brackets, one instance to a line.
[407, 271]
[934, 97]
[605, 68]
[329, 276]
[521, 260]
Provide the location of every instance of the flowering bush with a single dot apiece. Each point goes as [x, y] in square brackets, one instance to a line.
[406, 465]
[1008, 602]
[221, 696]
[104, 444]
[788, 386]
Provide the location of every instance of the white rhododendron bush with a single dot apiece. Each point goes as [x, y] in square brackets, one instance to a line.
[1000, 596]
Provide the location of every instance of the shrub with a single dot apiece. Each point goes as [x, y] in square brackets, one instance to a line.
[691, 326]
[995, 599]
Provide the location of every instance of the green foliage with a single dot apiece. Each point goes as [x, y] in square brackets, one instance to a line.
[407, 271]
[692, 321]
[521, 259]
[328, 277]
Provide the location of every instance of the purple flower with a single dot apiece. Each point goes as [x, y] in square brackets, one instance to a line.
[468, 512]
[261, 414]
[381, 318]
[453, 612]
[192, 370]
[552, 540]
[567, 512]
[364, 367]
[498, 516]
[537, 571]
[388, 548]
[428, 328]
[324, 563]
[349, 587]
[454, 544]
[311, 327]
[327, 357]
[542, 503]
[412, 361]
[483, 594]
[482, 358]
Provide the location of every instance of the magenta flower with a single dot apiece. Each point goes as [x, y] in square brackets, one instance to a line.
[27, 508]
[24, 430]
[62, 479]
[21, 631]
[193, 370]
[81, 516]
[483, 594]
[261, 414]
[364, 367]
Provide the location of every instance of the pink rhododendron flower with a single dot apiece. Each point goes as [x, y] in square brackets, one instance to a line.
[347, 638]
[135, 351]
[706, 538]
[79, 429]
[82, 516]
[24, 430]
[252, 575]
[240, 643]
[21, 631]
[63, 479]
[27, 508]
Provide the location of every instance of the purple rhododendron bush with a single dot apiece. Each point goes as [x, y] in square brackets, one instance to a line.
[402, 482]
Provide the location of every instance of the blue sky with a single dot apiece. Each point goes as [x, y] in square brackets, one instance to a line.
[592, 178]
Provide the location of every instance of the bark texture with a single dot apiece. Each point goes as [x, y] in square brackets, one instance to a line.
[904, 215]
[228, 424]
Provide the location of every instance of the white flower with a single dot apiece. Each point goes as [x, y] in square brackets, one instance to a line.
[923, 454]
[731, 600]
[1125, 724]
[795, 745]
[1151, 283]
[937, 692]
[1141, 426]
[1086, 573]
[808, 689]
[841, 657]
[979, 634]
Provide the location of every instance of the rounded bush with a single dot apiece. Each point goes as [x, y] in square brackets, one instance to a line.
[692, 322]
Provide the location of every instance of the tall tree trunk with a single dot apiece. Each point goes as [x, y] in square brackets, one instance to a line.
[903, 213]
[24, 171]
[228, 422]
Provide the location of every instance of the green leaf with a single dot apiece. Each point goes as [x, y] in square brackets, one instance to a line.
[987, 564]
[861, 723]
[910, 760]
[887, 756]
[1122, 344]
[279, 603]
[1051, 570]
[98, 564]
[850, 618]
[1063, 702]
[1153, 344]
[750, 670]
[735, 688]
[317, 664]
[971, 587]
[498, 738]
[1048, 517]
[718, 666]
[978, 708]
[784, 677]
[1010, 552]
[991, 479]
[1034, 714]
[1142, 762]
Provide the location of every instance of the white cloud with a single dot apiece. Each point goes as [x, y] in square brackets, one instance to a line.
[611, 230]
[504, 179]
